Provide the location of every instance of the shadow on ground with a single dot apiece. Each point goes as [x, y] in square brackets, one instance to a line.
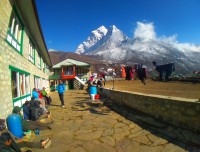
[95, 107]
[187, 139]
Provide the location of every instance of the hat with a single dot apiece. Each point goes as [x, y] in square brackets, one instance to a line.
[16, 109]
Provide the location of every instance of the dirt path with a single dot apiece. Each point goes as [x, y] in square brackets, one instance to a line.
[173, 88]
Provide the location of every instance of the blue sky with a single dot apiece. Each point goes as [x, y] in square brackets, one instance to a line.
[67, 23]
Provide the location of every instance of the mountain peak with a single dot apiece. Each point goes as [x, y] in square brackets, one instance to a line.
[113, 28]
[95, 37]
[99, 33]
[102, 28]
[101, 36]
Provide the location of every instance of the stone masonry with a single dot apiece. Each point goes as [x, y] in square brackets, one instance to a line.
[178, 111]
[10, 57]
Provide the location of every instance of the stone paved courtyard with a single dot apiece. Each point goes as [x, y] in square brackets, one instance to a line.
[102, 126]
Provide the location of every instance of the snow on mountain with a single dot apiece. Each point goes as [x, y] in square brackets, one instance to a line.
[112, 45]
[94, 37]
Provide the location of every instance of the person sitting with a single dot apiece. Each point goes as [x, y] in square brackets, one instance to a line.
[35, 111]
[39, 103]
[35, 94]
[10, 144]
[39, 93]
[5, 143]
[37, 100]
[38, 111]
[26, 110]
[30, 125]
[44, 95]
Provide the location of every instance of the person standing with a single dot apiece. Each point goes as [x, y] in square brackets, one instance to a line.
[61, 90]
[142, 73]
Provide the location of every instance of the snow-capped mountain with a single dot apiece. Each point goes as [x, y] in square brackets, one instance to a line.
[112, 45]
[94, 38]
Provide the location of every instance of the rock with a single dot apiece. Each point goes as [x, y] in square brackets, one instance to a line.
[109, 140]
[90, 136]
[93, 146]
[108, 132]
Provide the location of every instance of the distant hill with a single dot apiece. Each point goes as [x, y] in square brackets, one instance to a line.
[99, 66]
[58, 56]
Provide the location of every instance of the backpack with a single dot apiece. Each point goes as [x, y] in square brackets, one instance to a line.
[36, 113]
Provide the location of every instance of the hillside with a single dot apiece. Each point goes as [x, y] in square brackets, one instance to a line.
[58, 56]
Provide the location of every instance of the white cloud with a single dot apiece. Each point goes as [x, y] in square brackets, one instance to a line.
[170, 39]
[187, 47]
[180, 46]
[145, 31]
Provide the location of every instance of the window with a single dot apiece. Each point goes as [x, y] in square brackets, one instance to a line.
[47, 69]
[31, 49]
[81, 71]
[44, 67]
[39, 61]
[14, 35]
[20, 83]
[42, 64]
[27, 84]
[37, 83]
[45, 83]
[78, 72]
[14, 84]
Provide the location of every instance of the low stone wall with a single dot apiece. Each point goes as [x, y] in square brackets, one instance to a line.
[178, 111]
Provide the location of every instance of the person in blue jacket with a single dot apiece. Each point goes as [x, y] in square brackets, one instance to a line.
[35, 94]
[61, 90]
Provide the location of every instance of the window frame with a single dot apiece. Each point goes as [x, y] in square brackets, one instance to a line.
[12, 37]
[37, 82]
[19, 81]
[39, 65]
[31, 51]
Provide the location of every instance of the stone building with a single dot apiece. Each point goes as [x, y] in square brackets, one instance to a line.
[24, 59]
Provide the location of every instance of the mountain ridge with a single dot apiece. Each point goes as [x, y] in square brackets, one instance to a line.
[58, 56]
[115, 46]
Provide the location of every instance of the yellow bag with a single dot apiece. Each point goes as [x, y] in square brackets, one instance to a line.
[29, 136]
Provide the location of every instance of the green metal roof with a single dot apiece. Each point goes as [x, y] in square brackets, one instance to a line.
[54, 77]
[70, 62]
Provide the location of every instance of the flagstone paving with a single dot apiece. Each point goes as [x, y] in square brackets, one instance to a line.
[102, 126]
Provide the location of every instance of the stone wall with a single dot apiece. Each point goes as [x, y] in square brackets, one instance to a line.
[178, 111]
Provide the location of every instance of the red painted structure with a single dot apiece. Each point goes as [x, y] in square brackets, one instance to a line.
[70, 75]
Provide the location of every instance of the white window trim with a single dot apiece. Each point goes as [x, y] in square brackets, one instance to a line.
[12, 35]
